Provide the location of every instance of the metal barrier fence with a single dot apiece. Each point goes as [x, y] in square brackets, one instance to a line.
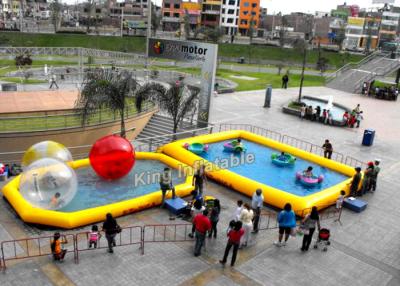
[269, 220]
[64, 121]
[128, 236]
[166, 233]
[32, 247]
[157, 233]
[293, 141]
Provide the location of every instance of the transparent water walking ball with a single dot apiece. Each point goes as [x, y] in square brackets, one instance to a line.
[46, 149]
[48, 184]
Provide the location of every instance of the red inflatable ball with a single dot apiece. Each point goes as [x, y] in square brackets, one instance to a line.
[112, 157]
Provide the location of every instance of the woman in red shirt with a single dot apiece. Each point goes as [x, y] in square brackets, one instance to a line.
[234, 236]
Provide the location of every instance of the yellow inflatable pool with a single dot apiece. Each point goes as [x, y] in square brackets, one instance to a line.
[69, 220]
[272, 196]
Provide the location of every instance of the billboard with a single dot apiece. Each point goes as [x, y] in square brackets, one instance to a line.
[355, 21]
[202, 53]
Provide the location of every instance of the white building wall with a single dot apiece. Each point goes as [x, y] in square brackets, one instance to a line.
[229, 20]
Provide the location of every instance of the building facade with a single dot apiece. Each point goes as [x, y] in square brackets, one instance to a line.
[191, 10]
[171, 15]
[249, 16]
[230, 16]
[389, 27]
[211, 13]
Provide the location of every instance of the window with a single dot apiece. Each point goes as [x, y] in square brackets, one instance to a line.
[167, 5]
[254, 5]
[177, 6]
[223, 19]
[98, 10]
[176, 15]
[144, 5]
[236, 21]
[237, 12]
[231, 11]
[245, 12]
[243, 22]
[223, 10]
[246, 4]
[230, 20]
[253, 13]
[231, 2]
[224, 2]
[166, 14]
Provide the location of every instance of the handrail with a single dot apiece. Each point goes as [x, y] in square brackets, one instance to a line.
[351, 64]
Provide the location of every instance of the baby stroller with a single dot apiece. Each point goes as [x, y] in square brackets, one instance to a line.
[323, 239]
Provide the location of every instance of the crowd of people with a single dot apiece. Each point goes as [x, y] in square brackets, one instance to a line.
[381, 92]
[316, 114]
[360, 185]
[353, 118]
[245, 219]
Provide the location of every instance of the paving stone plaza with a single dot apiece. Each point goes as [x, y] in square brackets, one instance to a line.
[365, 249]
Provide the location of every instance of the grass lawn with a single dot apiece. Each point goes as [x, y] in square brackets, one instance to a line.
[138, 44]
[262, 79]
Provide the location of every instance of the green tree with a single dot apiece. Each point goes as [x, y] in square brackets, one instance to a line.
[340, 36]
[210, 34]
[177, 100]
[55, 8]
[106, 89]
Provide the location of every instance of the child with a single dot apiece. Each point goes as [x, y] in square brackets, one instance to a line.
[324, 116]
[56, 246]
[359, 117]
[340, 200]
[232, 224]
[282, 157]
[238, 210]
[54, 202]
[308, 172]
[94, 236]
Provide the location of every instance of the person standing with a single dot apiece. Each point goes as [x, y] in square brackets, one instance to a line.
[357, 109]
[53, 81]
[302, 111]
[256, 204]
[166, 185]
[309, 224]
[238, 210]
[375, 174]
[234, 236]
[214, 218]
[199, 180]
[366, 183]
[246, 217]
[202, 224]
[328, 149]
[359, 117]
[318, 113]
[111, 228]
[286, 221]
[355, 183]
[285, 80]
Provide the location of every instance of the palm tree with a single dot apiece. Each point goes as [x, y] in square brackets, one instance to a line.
[301, 46]
[106, 89]
[175, 99]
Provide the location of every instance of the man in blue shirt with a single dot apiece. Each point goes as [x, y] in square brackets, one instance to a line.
[256, 204]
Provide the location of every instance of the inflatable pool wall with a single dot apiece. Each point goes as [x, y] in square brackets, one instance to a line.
[246, 186]
[68, 220]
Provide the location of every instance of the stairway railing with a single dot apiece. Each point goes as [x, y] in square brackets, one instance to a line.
[356, 65]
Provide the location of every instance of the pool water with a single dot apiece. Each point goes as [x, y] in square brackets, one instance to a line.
[337, 112]
[264, 171]
[142, 180]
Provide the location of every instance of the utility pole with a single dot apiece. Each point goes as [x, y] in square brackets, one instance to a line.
[122, 22]
[149, 10]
